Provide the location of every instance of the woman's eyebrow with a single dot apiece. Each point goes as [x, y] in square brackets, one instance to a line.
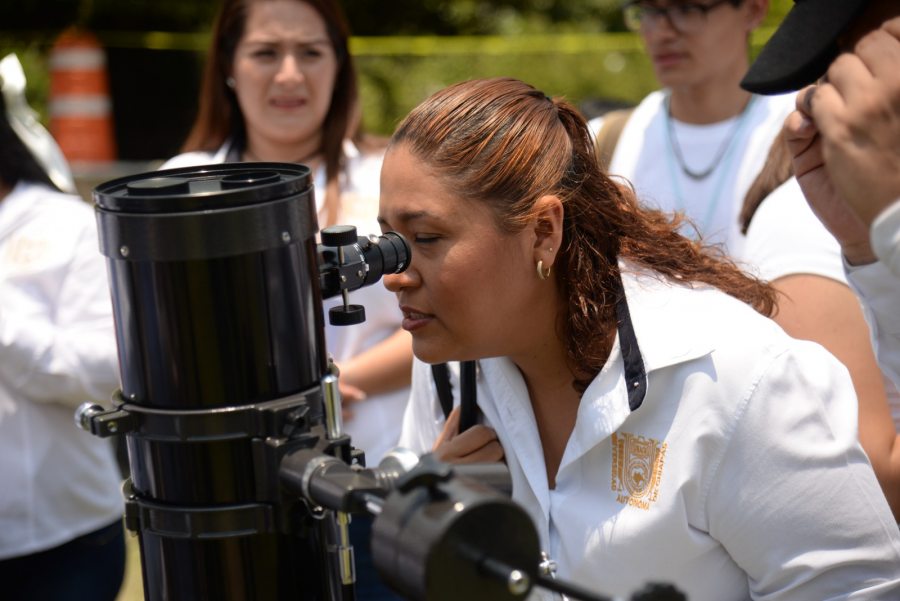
[274, 40]
[404, 217]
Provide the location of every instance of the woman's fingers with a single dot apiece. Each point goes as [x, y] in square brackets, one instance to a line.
[475, 445]
[451, 429]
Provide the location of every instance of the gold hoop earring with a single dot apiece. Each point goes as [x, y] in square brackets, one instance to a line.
[540, 270]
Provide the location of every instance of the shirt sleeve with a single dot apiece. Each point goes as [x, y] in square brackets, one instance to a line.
[785, 238]
[594, 125]
[885, 236]
[879, 290]
[423, 419]
[57, 341]
[794, 500]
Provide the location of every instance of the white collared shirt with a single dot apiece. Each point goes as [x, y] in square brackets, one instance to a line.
[57, 350]
[738, 477]
[885, 236]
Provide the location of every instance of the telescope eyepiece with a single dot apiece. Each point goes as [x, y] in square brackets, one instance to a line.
[345, 266]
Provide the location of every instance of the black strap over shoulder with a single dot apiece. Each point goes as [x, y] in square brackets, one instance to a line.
[635, 373]
[468, 396]
[441, 374]
[468, 410]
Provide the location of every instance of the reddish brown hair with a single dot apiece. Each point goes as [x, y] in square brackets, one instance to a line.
[219, 115]
[502, 142]
[776, 170]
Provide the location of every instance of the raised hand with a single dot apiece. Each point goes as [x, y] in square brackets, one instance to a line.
[478, 444]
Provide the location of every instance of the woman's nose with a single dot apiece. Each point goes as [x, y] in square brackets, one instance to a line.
[395, 282]
[289, 69]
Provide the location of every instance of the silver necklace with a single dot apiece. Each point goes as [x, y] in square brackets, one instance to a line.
[723, 148]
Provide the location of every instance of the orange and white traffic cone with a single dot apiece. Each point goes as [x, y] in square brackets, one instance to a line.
[80, 107]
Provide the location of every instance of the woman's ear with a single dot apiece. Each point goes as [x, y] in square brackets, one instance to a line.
[548, 227]
[757, 10]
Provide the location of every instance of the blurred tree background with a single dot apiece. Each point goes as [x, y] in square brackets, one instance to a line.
[405, 49]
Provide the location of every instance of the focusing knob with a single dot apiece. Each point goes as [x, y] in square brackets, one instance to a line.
[347, 316]
[427, 473]
[85, 413]
[339, 235]
[658, 592]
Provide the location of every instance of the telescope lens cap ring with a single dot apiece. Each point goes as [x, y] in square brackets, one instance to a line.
[203, 188]
[159, 186]
[246, 179]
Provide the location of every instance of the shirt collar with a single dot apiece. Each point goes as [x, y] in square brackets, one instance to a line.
[668, 323]
[668, 317]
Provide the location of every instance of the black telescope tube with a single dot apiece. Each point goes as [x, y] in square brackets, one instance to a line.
[215, 290]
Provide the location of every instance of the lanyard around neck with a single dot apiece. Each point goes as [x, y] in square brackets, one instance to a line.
[722, 170]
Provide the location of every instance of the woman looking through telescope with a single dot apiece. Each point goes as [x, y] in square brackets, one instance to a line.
[657, 425]
[280, 86]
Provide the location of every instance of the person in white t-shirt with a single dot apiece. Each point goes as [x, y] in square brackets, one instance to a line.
[696, 145]
[794, 250]
[280, 85]
[656, 427]
[61, 507]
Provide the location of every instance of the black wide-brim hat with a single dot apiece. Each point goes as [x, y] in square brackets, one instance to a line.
[802, 47]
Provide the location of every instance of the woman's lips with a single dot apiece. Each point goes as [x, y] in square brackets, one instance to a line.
[414, 319]
[287, 103]
[667, 59]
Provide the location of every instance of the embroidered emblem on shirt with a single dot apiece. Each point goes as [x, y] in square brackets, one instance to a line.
[22, 252]
[637, 465]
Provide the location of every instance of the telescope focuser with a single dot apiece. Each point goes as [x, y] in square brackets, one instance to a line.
[348, 262]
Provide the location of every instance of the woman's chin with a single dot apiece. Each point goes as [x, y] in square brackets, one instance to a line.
[429, 356]
[429, 352]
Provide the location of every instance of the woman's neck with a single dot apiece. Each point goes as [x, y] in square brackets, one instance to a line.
[536, 349]
[554, 400]
[307, 153]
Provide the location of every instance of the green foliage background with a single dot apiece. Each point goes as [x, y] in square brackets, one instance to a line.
[405, 49]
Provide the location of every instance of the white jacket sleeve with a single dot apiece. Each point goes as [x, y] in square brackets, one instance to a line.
[57, 342]
[794, 499]
[879, 290]
[885, 237]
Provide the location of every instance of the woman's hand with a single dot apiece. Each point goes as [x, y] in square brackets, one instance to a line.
[478, 444]
[843, 139]
[806, 146]
[350, 395]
